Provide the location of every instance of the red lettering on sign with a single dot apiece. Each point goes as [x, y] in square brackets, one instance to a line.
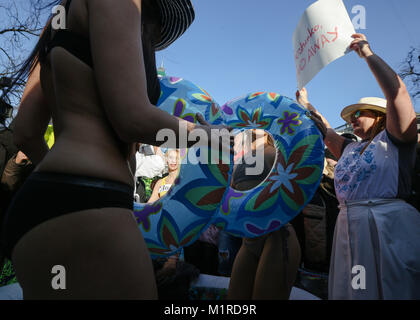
[313, 50]
[311, 32]
[302, 64]
[324, 40]
[335, 32]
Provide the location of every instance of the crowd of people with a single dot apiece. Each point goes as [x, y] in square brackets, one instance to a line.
[364, 213]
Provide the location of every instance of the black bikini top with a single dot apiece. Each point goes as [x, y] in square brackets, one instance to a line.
[74, 43]
[79, 46]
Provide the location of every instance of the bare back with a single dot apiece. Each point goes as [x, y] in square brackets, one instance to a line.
[85, 142]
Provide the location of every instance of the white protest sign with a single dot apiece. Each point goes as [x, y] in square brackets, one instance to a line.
[322, 36]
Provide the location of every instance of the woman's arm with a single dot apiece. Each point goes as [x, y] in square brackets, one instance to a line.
[32, 120]
[401, 117]
[155, 193]
[333, 141]
[115, 35]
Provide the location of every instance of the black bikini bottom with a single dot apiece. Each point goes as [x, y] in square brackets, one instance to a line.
[46, 195]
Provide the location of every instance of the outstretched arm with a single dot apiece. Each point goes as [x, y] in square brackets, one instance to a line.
[401, 117]
[115, 36]
[333, 141]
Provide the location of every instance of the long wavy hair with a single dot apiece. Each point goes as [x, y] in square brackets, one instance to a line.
[39, 52]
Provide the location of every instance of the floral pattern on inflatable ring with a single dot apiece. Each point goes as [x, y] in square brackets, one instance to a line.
[202, 194]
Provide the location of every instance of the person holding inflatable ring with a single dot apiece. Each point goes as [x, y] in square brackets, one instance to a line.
[97, 79]
[265, 267]
[377, 239]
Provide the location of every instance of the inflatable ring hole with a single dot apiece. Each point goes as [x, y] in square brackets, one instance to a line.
[161, 187]
[255, 157]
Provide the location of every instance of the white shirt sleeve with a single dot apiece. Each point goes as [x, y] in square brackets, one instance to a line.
[149, 166]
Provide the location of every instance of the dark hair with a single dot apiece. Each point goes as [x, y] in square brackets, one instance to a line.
[151, 9]
[149, 57]
[350, 136]
[329, 155]
[173, 282]
[5, 111]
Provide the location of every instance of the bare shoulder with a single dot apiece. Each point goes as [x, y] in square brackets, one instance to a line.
[82, 10]
[77, 18]
[114, 6]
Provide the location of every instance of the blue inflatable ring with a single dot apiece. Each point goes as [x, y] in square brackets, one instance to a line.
[202, 195]
[295, 175]
[177, 219]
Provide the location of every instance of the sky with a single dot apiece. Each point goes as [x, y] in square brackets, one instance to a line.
[235, 47]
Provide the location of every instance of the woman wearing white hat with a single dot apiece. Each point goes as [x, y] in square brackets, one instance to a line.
[376, 250]
[70, 230]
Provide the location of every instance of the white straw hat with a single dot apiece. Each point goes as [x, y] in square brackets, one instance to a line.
[176, 17]
[368, 103]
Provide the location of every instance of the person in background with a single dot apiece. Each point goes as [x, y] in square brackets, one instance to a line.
[315, 225]
[265, 267]
[228, 247]
[14, 169]
[174, 278]
[376, 245]
[15, 173]
[163, 185]
[314, 228]
[415, 189]
[7, 151]
[203, 253]
[150, 163]
[7, 147]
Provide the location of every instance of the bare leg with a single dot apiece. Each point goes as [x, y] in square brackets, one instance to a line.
[244, 269]
[103, 253]
[277, 269]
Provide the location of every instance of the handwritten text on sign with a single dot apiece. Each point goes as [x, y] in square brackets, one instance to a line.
[323, 35]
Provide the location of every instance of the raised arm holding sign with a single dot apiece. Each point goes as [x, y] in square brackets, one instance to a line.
[371, 178]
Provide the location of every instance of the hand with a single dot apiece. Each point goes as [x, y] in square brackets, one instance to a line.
[319, 123]
[21, 158]
[217, 131]
[302, 97]
[361, 46]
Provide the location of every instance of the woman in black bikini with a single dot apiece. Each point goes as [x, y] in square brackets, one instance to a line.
[97, 80]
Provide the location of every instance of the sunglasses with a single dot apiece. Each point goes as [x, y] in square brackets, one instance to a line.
[360, 113]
